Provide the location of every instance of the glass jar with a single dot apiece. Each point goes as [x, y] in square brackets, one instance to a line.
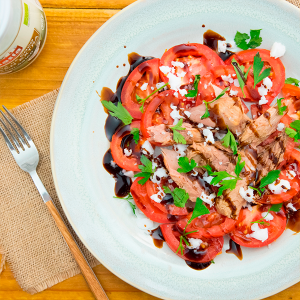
[23, 31]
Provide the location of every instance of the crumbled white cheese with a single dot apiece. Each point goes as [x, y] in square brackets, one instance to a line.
[175, 115]
[158, 175]
[268, 83]
[128, 173]
[236, 82]
[258, 233]
[177, 64]
[262, 100]
[290, 174]
[280, 126]
[222, 46]
[194, 243]
[127, 152]
[170, 180]
[159, 196]
[187, 113]
[227, 78]
[182, 92]
[181, 74]
[174, 81]
[248, 206]
[144, 86]
[148, 147]
[191, 80]
[248, 194]
[208, 199]
[160, 84]
[176, 94]
[113, 164]
[205, 86]
[209, 135]
[165, 69]
[219, 135]
[267, 216]
[279, 186]
[233, 93]
[262, 90]
[180, 149]
[220, 163]
[208, 179]
[152, 88]
[290, 205]
[200, 125]
[195, 173]
[277, 50]
[189, 134]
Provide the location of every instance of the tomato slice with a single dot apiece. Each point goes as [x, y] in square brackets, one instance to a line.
[208, 226]
[290, 90]
[277, 75]
[208, 250]
[129, 163]
[144, 203]
[146, 73]
[205, 90]
[240, 234]
[168, 208]
[197, 60]
[258, 110]
[150, 117]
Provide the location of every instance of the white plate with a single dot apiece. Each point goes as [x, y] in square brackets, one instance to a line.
[106, 225]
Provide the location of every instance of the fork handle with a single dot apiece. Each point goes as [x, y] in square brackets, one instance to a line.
[85, 268]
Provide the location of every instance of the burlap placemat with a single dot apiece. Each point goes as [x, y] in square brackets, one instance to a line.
[29, 239]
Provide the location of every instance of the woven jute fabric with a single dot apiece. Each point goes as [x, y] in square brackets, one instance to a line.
[29, 239]
[295, 2]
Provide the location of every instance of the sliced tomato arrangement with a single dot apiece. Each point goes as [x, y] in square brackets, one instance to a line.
[197, 59]
[169, 208]
[277, 74]
[151, 117]
[208, 250]
[208, 226]
[117, 148]
[290, 90]
[141, 82]
[241, 233]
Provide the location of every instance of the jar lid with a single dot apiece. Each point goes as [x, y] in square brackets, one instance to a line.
[10, 20]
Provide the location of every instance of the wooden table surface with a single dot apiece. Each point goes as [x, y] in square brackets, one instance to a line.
[70, 24]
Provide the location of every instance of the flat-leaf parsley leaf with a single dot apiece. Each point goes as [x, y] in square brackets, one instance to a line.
[118, 111]
[229, 141]
[180, 196]
[136, 134]
[255, 39]
[291, 80]
[193, 93]
[177, 137]
[258, 65]
[146, 168]
[186, 165]
[281, 109]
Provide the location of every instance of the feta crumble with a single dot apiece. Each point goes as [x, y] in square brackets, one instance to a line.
[277, 50]
[208, 199]
[279, 186]
[159, 196]
[189, 134]
[147, 147]
[233, 93]
[194, 243]
[209, 135]
[267, 216]
[144, 86]
[290, 174]
[258, 233]
[128, 173]
[177, 64]
[160, 84]
[280, 126]
[222, 46]
[236, 82]
[175, 115]
[290, 205]
[248, 194]
[127, 152]
[187, 113]
[227, 78]
[158, 175]
[200, 125]
[180, 149]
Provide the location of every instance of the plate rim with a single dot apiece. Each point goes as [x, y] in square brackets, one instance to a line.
[53, 169]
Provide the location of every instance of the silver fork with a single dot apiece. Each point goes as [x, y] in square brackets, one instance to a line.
[27, 157]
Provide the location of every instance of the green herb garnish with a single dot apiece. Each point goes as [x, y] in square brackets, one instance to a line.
[255, 189]
[193, 93]
[128, 198]
[118, 111]
[269, 178]
[180, 196]
[226, 180]
[177, 137]
[257, 67]
[295, 134]
[281, 109]
[254, 42]
[229, 141]
[146, 168]
[291, 80]
[199, 210]
[240, 74]
[142, 101]
[136, 134]
[207, 114]
[186, 165]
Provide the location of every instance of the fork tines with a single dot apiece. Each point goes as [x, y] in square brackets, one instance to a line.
[14, 140]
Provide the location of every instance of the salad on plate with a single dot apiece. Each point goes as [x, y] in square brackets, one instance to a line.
[187, 152]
